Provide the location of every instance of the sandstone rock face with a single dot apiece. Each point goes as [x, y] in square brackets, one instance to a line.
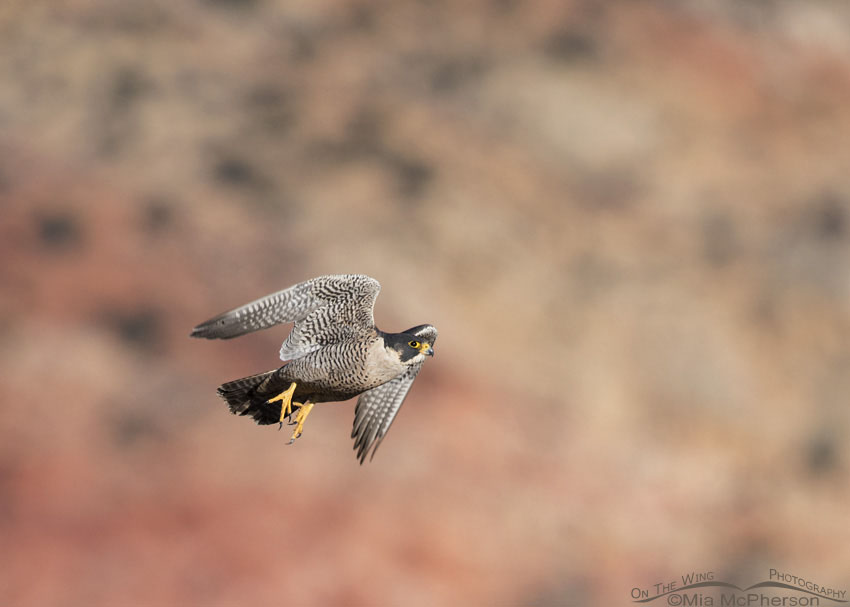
[630, 222]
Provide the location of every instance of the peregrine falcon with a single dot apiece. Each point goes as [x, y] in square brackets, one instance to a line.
[334, 353]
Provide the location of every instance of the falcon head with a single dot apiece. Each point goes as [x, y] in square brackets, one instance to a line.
[414, 344]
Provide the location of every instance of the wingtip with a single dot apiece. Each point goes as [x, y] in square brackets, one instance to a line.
[215, 328]
[364, 451]
[200, 332]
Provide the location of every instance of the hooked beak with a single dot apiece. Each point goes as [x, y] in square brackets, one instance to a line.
[426, 349]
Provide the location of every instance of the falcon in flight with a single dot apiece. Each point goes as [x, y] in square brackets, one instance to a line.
[334, 352]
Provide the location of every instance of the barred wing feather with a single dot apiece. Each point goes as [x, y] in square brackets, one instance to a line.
[376, 410]
[324, 309]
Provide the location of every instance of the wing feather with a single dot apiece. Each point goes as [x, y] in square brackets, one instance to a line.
[324, 309]
[376, 410]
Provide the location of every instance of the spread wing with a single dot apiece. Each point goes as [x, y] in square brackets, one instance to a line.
[376, 410]
[324, 309]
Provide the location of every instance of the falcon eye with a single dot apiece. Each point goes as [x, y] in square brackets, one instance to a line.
[413, 344]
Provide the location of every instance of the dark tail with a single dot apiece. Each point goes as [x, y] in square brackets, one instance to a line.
[249, 396]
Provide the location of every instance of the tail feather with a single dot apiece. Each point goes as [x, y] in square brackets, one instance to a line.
[250, 395]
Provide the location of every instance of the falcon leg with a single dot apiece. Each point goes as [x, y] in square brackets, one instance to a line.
[286, 401]
[300, 418]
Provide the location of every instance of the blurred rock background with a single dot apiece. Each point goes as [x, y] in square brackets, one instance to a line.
[629, 220]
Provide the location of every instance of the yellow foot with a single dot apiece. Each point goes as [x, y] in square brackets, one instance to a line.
[300, 418]
[295, 407]
[286, 401]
